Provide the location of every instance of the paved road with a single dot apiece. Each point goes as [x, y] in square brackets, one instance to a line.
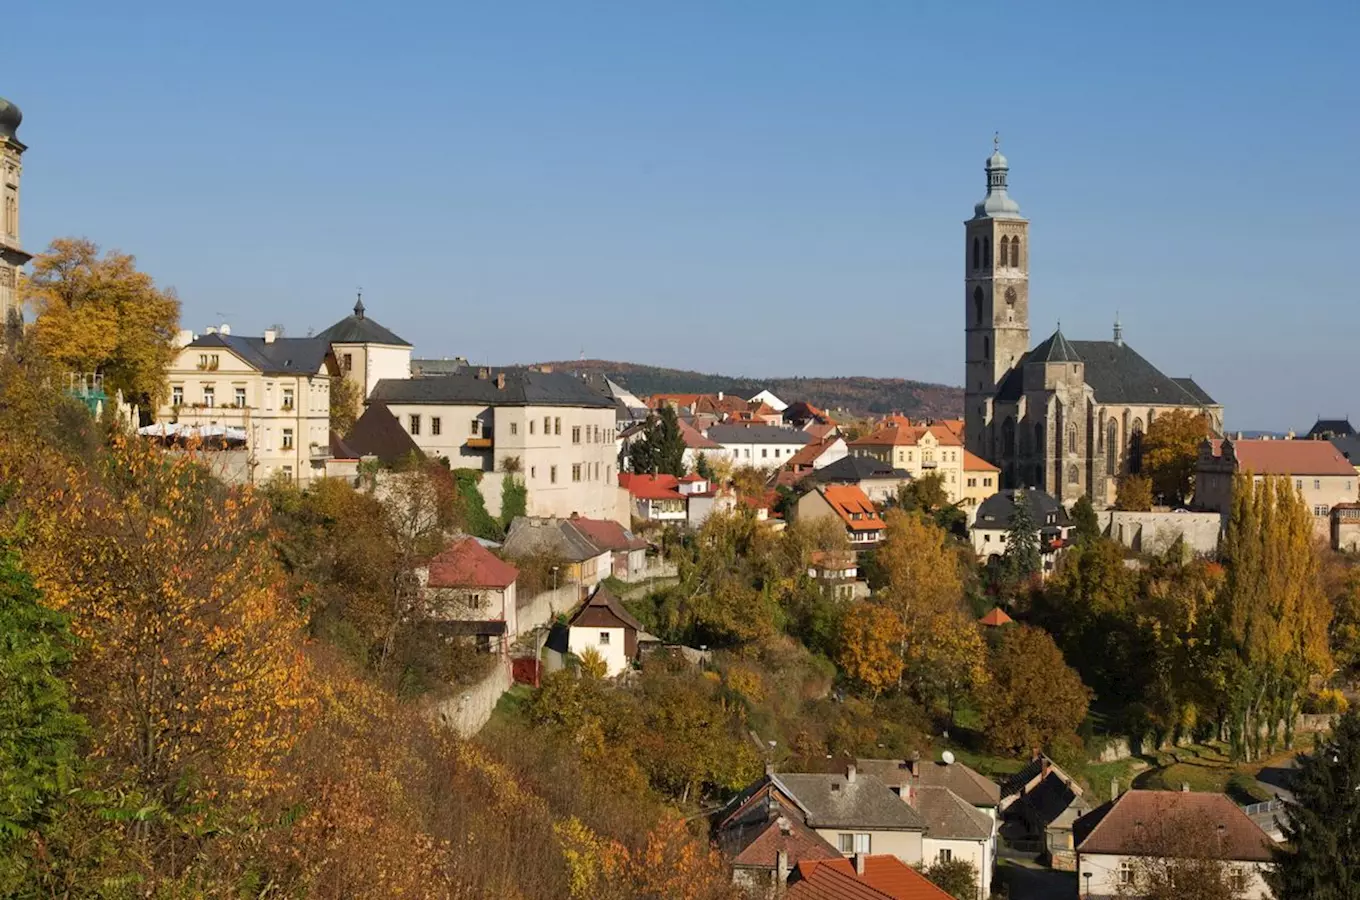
[1026, 883]
[1279, 778]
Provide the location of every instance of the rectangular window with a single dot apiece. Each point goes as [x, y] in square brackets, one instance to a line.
[415, 424]
[846, 842]
[557, 425]
[288, 439]
[597, 471]
[776, 453]
[604, 639]
[475, 427]
[533, 471]
[1126, 871]
[532, 424]
[552, 475]
[288, 472]
[348, 362]
[1298, 484]
[241, 398]
[987, 482]
[436, 425]
[1317, 484]
[547, 425]
[608, 473]
[946, 855]
[177, 395]
[764, 452]
[287, 398]
[576, 472]
[209, 395]
[514, 427]
[576, 434]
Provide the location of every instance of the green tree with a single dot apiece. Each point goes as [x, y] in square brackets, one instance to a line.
[1034, 698]
[1021, 561]
[39, 734]
[1317, 858]
[660, 450]
[99, 314]
[702, 467]
[956, 877]
[926, 493]
[1085, 520]
[514, 500]
[1171, 453]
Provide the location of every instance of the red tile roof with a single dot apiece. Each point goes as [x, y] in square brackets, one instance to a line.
[650, 487]
[884, 877]
[996, 618]
[467, 563]
[897, 431]
[694, 438]
[847, 500]
[808, 454]
[756, 846]
[608, 535]
[1116, 828]
[820, 430]
[974, 463]
[1287, 457]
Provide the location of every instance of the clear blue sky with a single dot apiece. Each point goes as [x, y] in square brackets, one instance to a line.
[755, 188]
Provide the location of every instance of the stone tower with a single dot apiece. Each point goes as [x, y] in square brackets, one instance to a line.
[996, 299]
[12, 255]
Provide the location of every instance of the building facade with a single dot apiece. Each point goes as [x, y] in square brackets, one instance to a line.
[1321, 475]
[12, 255]
[918, 450]
[1067, 416]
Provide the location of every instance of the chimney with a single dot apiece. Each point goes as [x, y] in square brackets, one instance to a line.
[915, 764]
[1114, 789]
[483, 373]
[270, 335]
[850, 774]
[211, 329]
[1047, 767]
[720, 396]
[781, 867]
[859, 864]
[1185, 787]
[500, 381]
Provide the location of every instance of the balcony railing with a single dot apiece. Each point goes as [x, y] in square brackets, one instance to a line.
[480, 443]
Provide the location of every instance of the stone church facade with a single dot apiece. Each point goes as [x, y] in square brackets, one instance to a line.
[12, 255]
[1066, 416]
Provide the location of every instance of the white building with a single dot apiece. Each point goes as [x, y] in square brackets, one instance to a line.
[761, 446]
[365, 351]
[551, 429]
[769, 399]
[956, 831]
[603, 625]
[993, 521]
[467, 587]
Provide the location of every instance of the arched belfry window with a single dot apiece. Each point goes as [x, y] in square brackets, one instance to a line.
[1008, 436]
[977, 305]
[977, 253]
[1003, 255]
[1112, 448]
[1072, 438]
[986, 347]
[1136, 447]
[986, 252]
[1040, 439]
[1015, 252]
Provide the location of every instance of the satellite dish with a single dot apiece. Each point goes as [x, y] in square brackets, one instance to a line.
[948, 757]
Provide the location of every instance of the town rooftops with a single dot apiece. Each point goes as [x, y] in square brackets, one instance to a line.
[854, 507]
[840, 800]
[970, 785]
[603, 610]
[466, 563]
[949, 817]
[530, 536]
[852, 469]
[492, 387]
[885, 877]
[608, 535]
[281, 356]
[974, 463]
[995, 512]
[757, 434]
[359, 329]
[1268, 457]
[1118, 827]
[651, 487]
[378, 433]
[811, 452]
[1326, 429]
[1116, 374]
[757, 844]
[898, 431]
[694, 438]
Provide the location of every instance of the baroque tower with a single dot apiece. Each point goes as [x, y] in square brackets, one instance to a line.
[12, 255]
[996, 300]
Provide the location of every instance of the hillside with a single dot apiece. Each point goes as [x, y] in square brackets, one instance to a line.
[856, 394]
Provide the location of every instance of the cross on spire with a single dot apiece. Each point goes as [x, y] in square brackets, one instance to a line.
[996, 141]
[359, 304]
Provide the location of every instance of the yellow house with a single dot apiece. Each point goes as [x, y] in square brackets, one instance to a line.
[918, 449]
[980, 480]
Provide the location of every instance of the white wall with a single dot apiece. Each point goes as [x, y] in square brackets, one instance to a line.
[905, 845]
[979, 853]
[762, 456]
[1104, 872]
[615, 654]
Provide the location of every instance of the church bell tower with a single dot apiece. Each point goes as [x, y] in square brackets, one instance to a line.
[12, 255]
[996, 299]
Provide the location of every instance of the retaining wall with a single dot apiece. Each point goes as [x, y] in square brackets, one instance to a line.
[469, 709]
[1155, 532]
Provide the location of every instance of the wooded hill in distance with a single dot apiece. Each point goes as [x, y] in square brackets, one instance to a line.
[857, 394]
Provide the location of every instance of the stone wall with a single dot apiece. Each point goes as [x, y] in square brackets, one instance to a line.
[470, 708]
[1155, 532]
[539, 610]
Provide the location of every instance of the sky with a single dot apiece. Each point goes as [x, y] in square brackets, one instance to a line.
[755, 187]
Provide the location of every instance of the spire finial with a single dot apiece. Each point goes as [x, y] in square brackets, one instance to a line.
[1060, 324]
[1118, 330]
[996, 142]
[359, 304]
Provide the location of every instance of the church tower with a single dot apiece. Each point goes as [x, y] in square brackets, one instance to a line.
[996, 299]
[12, 255]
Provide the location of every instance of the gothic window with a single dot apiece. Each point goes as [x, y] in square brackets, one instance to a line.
[1015, 252]
[1008, 436]
[1073, 475]
[977, 253]
[1003, 252]
[1136, 447]
[986, 348]
[1112, 448]
[1072, 438]
[977, 304]
[1010, 296]
[1040, 438]
[986, 253]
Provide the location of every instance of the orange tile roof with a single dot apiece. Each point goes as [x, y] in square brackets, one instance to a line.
[821, 430]
[1287, 457]
[650, 487]
[898, 432]
[656, 401]
[808, 454]
[847, 500]
[996, 618]
[467, 563]
[974, 463]
[884, 876]
[954, 425]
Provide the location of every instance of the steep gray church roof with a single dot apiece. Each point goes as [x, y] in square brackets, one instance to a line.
[359, 329]
[1055, 349]
[1115, 373]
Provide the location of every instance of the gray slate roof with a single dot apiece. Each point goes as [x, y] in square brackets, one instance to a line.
[536, 536]
[1055, 349]
[831, 801]
[285, 356]
[523, 387]
[359, 329]
[996, 510]
[969, 784]
[852, 469]
[1115, 373]
[378, 433]
[1348, 447]
[757, 434]
[947, 815]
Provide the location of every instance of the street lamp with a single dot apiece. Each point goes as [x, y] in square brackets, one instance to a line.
[554, 568]
[1087, 876]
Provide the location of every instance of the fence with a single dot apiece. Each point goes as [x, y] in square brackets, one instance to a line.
[1256, 809]
[469, 709]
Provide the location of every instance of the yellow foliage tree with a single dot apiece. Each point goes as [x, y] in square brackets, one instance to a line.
[346, 401]
[871, 647]
[99, 314]
[1171, 451]
[1133, 494]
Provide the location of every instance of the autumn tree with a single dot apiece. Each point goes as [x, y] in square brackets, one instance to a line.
[1133, 494]
[956, 877]
[1177, 856]
[870, 651]
[926, 494]
[1171, 452]
[730, 586]
[347, 398]
[1274, 613]
[1317, 858]
[660, 449]
[99, 314]
[1034, 697]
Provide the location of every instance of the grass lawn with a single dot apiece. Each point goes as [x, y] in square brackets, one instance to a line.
[511, 707]
[1206, 768]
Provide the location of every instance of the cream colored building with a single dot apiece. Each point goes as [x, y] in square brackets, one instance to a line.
[1321, 475]
[12, 255]
[981, 480]
[919, 450]
[551, 428]
[365, 351]
[277, 389]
